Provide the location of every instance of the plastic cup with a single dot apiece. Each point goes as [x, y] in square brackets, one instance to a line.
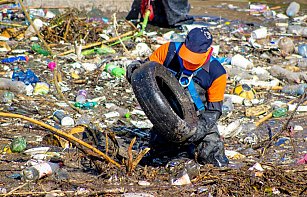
[259, 33]
[240, 61]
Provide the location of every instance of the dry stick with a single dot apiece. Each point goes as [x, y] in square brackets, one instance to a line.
[270, 115]
[62, 134]
[260, 144]
[116, 32]
[139, 157]
[57, 87]
[285, 126]
[67, 29]
[99, 43]
[130, 156]
[35, 29]
[17, 188]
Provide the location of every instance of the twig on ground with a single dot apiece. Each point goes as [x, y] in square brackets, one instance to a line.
[62, 134]
[285, 126]
[130, 156]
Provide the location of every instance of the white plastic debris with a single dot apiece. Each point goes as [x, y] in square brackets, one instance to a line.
[234, 155]
[143, 183]
[256, 166]
[183, 180]
[231, 130]
[141, 50]
[137, 195]
[146, 124]
[240, 61]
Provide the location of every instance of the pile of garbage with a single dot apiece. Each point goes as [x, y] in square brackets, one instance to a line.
[67, 109]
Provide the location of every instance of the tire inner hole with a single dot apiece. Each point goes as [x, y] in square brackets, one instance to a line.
[170, 96]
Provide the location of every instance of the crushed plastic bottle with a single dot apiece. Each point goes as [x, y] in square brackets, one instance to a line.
[279, 112]
[293, 9]
[18, 145]
[8, 97]
[41, 170]
[302, 50]
[30, 30]
[27, 77]
[298, 89]
[81, 96]
[115, 70]
[227, 106]
[187, 171]
[14, 59]
[38, 49]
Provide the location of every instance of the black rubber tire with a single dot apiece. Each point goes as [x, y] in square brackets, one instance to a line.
[164, 101]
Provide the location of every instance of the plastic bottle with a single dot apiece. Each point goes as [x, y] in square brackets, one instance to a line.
[18, 145]
[86, 105]
[286, 46]
[63, 118]
[81, 97]
[295, 89]
[8, 97]
[83, 120]
[15, 59]
[227, 105]
[190, 170]
[302, 50]
[30, 30]
[115, 70]
[279, 112]
[39, 171]
[293, 9]
[37, 48]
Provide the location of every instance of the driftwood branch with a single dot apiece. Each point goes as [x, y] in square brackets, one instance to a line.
[62, 134]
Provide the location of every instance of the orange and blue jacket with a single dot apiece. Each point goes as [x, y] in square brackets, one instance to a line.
[210, 81]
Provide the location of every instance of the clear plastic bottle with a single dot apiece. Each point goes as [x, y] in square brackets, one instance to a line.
[298, 89]
[8, 97]
[293, 9]
[302, 50]
[30, 30]
[81, 97]
[39, 171]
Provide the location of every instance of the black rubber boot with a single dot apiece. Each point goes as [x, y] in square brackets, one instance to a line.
[211, 150]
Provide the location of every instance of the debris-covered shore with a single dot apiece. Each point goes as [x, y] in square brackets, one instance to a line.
[67, 108]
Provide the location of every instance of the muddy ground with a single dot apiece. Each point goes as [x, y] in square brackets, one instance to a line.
[282, 176]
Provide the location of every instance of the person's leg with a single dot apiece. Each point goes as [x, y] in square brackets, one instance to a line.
[211, 149]
[159, 146]
[135, 10]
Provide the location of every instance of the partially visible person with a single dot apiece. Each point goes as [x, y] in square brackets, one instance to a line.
[163, 13]
[205, 80]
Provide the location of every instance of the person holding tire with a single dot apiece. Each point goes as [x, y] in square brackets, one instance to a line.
[204, 80]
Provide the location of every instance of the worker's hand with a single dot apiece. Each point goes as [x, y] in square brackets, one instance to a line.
[131, 68]
[207, 120]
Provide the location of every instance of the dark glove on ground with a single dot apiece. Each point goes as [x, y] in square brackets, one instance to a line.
[211, 150]
[131, 68]
[207, 121]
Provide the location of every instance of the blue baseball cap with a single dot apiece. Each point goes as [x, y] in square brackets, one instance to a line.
[196, 46]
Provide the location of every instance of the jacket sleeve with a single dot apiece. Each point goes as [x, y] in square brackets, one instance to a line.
[159, 55]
